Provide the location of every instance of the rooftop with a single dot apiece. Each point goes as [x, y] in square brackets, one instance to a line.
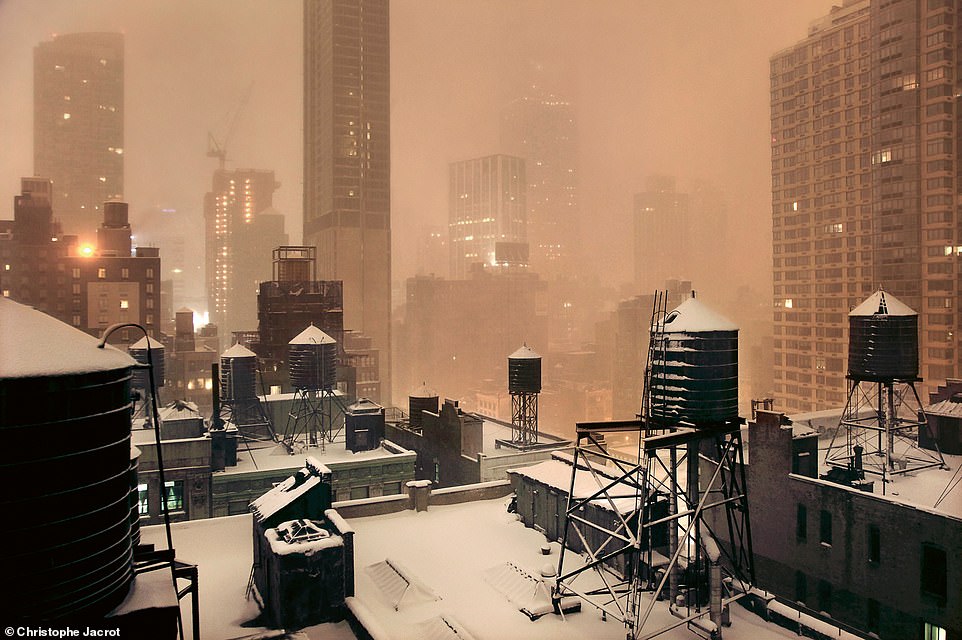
[922, 489]
[271, 456]
[468, 563]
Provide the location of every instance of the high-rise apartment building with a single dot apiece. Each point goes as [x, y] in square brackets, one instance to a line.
[865, 186]
[541, 129]
[241, 230]
[487, 213]
[347, 159]
[661, 233]
[78, 125]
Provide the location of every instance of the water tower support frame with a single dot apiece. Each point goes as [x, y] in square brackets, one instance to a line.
[312, 418]
[879, 429]
[524, 418]
[630, 598]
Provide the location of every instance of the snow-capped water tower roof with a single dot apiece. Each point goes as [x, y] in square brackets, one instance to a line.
[693, 316]
[524, 353]
[144, 343]
[238, 351]
[33, 344]
[312, 335]
[881, 303]
[424, 391]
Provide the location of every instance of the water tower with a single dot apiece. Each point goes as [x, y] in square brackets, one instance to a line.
[421, 399]
[524, 385]
[65, 460]
[239, 404]
[883, 416]
[140, 380]
[312, 364]
[669, 468]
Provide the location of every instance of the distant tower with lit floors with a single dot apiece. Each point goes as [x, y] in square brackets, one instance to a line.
[241, 230]
[487, 219]
[540, 128]
[347, 160]
[78, 125]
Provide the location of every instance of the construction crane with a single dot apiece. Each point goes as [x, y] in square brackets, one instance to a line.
[218, 148]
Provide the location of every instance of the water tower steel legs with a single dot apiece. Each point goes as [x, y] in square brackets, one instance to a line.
[312, 418]
[879, 431]
[625, 542]
[524, 418]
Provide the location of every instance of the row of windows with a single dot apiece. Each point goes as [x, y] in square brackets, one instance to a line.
[933, 559]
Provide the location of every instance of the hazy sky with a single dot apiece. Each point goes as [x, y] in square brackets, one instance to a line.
[659, 86]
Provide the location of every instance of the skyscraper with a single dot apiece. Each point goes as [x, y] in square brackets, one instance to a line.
[347, 159]
[541, 129]
[78, 125]
[487, 213]
[661, 233]
[865, 181]
[241, 230]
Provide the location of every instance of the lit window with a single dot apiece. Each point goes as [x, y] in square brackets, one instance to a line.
[6, 267]
[932, 632]
[66, 116]
[142, 499]
[789, 303]
[124, 304]
[102, 273]
[6, 293]
[174, 495]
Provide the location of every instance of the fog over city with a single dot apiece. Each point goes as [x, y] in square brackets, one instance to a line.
[677, 88]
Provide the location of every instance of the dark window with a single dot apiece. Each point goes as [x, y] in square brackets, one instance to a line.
[801, 587]
[392, 488]
[825, 529]
[874, 544]
[933, 572]
[801, 523]
[872, 618]
[825, 596]
[360, 492]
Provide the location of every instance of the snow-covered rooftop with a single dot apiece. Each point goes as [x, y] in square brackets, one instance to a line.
[920, 489]
[424, 391]
[33, 344]
[302, 481]
[882, 303]
[525, 353]
[467, 563]
[272, 457]
[693, 316]
[312, 335]
[949, 408]
[144, 344]
[238, 351]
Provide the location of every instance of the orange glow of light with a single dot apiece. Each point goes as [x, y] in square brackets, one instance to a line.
[86, 250]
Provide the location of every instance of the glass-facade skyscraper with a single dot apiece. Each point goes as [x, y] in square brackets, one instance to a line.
[347, 160]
